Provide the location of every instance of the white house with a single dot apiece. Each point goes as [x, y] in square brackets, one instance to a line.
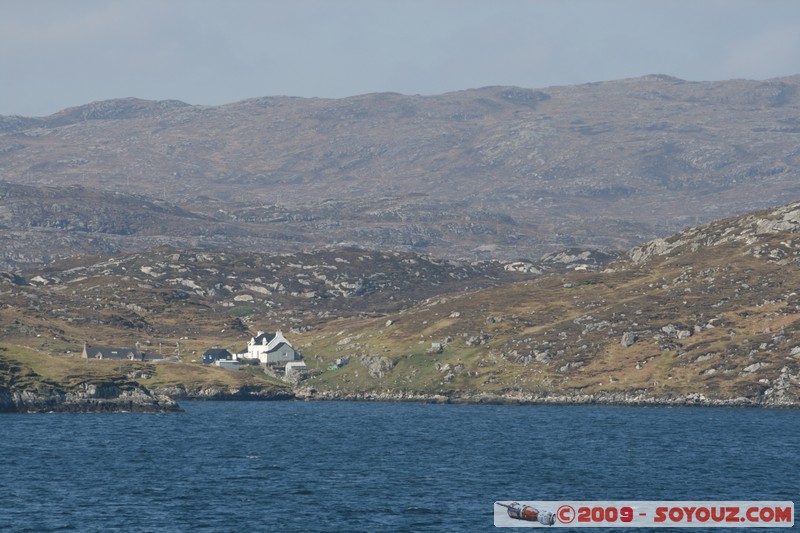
[270, 348]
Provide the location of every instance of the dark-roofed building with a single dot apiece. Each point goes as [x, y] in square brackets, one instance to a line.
[216, 354]
[114, 353]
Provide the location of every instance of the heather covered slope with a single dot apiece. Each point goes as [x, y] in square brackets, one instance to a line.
[711, 314]
[181, 302]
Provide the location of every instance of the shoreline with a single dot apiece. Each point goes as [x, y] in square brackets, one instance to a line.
[113, 399]
[611, 399]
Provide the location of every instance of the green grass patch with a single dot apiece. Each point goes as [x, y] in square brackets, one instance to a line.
[242, 311]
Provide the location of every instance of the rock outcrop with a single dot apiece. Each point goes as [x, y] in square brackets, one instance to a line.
[245, 393]
[748, 230]
[88, 397]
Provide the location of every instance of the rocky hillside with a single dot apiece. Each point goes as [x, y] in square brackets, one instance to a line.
[42, 224]
[166, 296]
[497, 172]
[179, 303]
[710, 315]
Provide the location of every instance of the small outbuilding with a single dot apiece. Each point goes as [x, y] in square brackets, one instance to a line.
[230, 365]
[295, 367]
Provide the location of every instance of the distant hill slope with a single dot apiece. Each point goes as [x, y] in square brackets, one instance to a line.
[40, 224]
[168, 295]
[708, 315]
[494, 172]
[711, 314]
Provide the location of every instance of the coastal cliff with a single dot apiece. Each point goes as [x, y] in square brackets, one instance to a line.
[88, 397]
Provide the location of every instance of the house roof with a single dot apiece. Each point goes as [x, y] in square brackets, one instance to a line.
[217, 352]
[108, 352]
[263, 338]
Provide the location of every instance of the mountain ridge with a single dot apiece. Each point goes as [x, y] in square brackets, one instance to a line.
[605, 165]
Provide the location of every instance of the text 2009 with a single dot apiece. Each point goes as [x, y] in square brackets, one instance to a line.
[605, 514]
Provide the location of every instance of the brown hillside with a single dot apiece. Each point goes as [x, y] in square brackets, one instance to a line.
[711, 314]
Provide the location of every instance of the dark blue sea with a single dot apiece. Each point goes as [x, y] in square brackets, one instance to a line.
[346, 466]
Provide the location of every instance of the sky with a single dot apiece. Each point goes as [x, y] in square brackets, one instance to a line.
[56, 54]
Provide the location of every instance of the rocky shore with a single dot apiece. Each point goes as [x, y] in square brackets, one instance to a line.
[131, 397]
[247, 393]
[632, 399]
[87, 398]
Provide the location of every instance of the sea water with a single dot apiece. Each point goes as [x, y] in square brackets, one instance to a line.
[349, 466]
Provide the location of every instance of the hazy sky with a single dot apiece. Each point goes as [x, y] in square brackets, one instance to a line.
[61, 53]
